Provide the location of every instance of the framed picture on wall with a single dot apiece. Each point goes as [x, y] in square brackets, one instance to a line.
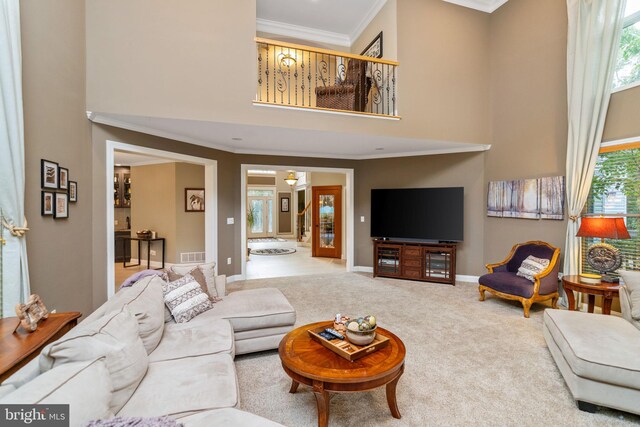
[47, 203]
[48, 174]
[73, 191]
[284, 204]
[194, 199]
[63, 182]
[61, 206]
[374, 49]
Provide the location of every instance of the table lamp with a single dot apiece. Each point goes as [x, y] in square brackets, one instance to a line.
[602, 256]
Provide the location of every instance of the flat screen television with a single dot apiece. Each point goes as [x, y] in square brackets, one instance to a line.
[425, 214]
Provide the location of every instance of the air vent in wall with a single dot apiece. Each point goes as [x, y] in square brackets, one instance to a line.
[191, 257]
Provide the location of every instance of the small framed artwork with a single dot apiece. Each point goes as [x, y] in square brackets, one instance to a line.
[48, 174]
[374, 49]
[61, 209]
[47, 203]
[63, 181]
[73, 191]
[284, 204]
[194, 199]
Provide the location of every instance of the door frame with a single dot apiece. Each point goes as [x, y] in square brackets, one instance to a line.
[315, 226]
[210, 201]
[348, 207]
[274, 211]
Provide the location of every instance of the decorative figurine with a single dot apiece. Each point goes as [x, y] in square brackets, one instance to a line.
[31, 313]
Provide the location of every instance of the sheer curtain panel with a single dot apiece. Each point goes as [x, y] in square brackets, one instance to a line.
[592, 47]
[14, 274]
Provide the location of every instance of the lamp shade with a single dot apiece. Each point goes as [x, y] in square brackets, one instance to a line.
[603, 227]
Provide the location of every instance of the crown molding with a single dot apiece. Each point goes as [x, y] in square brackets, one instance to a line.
[303, 33]
[488, 6]
[373, 12]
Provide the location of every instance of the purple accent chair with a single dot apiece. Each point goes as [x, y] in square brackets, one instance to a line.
[503, 282]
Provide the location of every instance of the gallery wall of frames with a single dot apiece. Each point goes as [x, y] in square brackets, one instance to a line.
[57, 190]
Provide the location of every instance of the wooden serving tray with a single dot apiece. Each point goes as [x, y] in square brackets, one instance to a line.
[351, 352]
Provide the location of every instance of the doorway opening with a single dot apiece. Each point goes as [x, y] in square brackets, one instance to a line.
[187, 232]
[284, 233]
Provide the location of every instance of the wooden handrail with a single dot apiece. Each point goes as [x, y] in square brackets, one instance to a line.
[325, 51]
[304, 210]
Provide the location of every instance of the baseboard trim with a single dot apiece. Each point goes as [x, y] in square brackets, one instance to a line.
[152, 264]
[235, 278]
[362, 269]
[466, 278]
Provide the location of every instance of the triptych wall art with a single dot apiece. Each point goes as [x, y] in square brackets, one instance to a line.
[538, 198]
[57, 190]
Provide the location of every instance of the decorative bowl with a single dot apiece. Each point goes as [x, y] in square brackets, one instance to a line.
[361, 337]
[144, 234]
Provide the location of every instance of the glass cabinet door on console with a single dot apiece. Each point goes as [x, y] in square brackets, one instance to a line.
[388, 260]
[437, 263]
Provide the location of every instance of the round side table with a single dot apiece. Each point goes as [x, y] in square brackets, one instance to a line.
[607, 290]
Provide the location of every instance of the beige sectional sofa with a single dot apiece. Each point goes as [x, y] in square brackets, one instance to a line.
[129, 359]
[597, 355]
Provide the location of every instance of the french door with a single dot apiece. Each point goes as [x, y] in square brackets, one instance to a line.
[327, 221]
[260, 213]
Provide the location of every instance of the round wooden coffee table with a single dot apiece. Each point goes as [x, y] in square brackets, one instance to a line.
[309, 363]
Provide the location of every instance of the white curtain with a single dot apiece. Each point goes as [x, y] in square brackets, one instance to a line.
[14, 275]
[593, 39]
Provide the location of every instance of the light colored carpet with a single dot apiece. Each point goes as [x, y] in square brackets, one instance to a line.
[468, 362]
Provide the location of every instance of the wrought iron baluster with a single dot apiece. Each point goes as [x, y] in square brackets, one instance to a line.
[388, 91]
[309, 75]
[259, 73]
[266, 71]
[394, 112]
[296, 74]
[302, 86]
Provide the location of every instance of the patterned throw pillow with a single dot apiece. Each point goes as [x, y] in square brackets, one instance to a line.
[196, 273]
[532, 266]
[208, 270]
[185, 298]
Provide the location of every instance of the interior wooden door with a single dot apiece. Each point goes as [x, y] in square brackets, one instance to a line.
[327, 221]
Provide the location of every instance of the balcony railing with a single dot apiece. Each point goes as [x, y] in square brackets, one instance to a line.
[293, 75]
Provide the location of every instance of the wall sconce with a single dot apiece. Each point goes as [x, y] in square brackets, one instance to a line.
[291, 179]
[286, 60]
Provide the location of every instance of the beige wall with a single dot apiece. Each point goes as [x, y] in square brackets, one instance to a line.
[158, 204]
[137, 64]
[449, 170]
[622, 117]
[153, 207]
[189, 225]
[386, 21]
[56, 129]
[529, 112]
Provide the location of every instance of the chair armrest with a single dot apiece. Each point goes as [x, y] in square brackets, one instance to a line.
[498, 267]
[221, 285]
[547, 281]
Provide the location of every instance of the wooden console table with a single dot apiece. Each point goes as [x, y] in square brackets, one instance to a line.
[20, 347]
[148, 240]
[428, 262]
[607, 290]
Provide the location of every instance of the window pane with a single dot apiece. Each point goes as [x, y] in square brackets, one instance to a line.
[615, 191]
[633, 6]
[260, 193]
[627, 69]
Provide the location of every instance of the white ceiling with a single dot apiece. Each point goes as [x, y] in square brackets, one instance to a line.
[488, 6]
[283, 141]
[337, 22]
[125, 158]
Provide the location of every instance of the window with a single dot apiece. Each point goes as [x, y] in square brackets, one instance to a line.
[615, 191]
[627, 71]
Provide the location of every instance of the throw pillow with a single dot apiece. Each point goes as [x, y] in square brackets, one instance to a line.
[208, 270]
[195, 272]
[115, 337]
[185, 299]
[532, 266]
[632, 282]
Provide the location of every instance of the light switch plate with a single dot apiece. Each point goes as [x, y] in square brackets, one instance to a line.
[230, 221]
[229, 261]
[362, 219]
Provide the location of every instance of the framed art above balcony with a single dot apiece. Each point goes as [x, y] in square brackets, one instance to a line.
[374, 49]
